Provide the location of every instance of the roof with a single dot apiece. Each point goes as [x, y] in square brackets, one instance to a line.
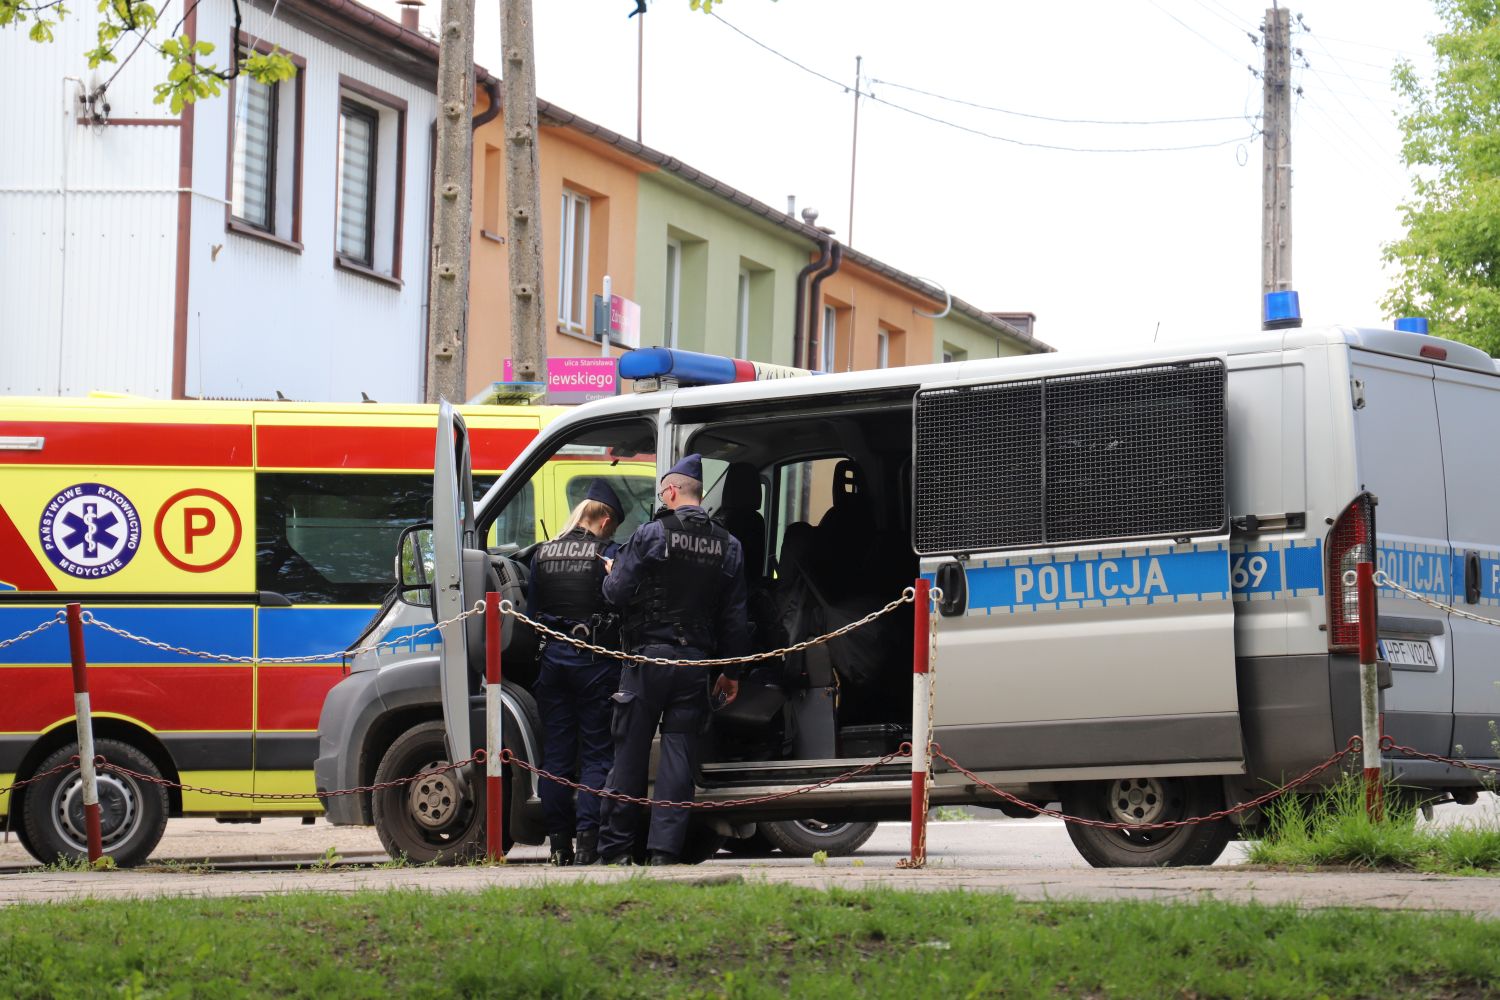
[382, 28]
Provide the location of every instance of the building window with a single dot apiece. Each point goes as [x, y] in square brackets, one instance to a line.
[951, 353]
[674, 292]
[493, 165]
[359, 132]
[573, 269]
[371, 173]
[829, 339]
[882, 348]
[742, 317]
[264, 186]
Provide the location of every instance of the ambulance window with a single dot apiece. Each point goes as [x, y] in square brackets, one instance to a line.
[635, 492]
[328, 538]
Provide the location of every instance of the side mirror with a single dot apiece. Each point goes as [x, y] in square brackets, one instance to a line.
[415, 562]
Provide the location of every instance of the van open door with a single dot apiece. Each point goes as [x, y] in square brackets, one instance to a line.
[453, 532]
[1078, 526]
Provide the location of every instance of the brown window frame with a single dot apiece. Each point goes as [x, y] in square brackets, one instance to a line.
[366, 95]
[352, 109]
[232, 222]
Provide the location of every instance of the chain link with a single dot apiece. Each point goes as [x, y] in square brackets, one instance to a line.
[506, 608]
[89, 619]
[1388, 743]
[904, 750]
[104, 765]
[56, 619]
[68, 765]
[1383, 580]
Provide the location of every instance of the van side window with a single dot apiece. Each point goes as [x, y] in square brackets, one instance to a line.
[328, 538]
[515, 528]
[804, 494]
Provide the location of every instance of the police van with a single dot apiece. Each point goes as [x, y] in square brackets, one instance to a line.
[1145, 612]
[258, 530]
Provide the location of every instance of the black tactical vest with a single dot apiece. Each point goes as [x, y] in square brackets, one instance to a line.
[678, 603]
[566, 576]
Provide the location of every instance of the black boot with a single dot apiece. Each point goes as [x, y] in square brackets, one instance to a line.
[663, 858]
[562, 850]
[588, 847]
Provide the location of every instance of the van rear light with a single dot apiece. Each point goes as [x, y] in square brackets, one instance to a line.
[1351, 541]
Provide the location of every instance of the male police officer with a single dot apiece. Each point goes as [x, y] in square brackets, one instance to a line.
[680, 583]
[573, 688]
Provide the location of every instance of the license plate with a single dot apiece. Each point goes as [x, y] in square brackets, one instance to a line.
[1408, 652]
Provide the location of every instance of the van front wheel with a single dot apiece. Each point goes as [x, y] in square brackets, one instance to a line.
[437, 818]
[1147, 800]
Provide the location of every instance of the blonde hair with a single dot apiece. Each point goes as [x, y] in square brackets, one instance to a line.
[591, 511]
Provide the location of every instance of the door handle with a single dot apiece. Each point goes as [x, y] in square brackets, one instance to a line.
[954, 583]
[1471, 578]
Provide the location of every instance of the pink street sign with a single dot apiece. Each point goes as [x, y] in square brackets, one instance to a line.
[576, 380]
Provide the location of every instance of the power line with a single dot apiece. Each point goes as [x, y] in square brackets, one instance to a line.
[1194, 30]
[1049, 118]
[964, 128]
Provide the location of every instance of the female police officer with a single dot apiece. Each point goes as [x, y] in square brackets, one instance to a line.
[574, 687]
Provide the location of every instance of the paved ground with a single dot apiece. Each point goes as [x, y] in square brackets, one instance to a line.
[1031, 859]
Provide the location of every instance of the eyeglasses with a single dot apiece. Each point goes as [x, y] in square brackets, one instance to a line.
[661, 494]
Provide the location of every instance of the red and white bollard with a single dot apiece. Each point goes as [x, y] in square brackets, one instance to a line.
[85, 721]
[494, 789]
[1369, 692]
[921, 746]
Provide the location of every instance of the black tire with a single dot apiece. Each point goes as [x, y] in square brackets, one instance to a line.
[133, 813]
[802, 838]
[438, 819]
[1147, 800]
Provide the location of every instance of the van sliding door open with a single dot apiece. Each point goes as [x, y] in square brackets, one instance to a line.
[1078, 525]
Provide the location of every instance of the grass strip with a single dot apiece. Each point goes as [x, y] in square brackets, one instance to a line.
[644, 938]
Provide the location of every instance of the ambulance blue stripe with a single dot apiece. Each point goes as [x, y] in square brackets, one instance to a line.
[310, 631]
[215, 630]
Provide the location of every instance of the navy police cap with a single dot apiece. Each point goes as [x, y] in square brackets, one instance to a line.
[690, 466]
[601, 491]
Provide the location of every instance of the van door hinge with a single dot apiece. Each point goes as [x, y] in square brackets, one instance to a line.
[1357, 392]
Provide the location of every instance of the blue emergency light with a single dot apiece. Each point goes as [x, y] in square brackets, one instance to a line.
[692, 368]
[1412, 324]
[1283, 311]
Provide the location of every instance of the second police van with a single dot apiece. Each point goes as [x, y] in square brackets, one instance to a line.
[1142, 557]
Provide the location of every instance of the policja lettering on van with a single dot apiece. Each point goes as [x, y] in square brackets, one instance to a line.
[1089, 580]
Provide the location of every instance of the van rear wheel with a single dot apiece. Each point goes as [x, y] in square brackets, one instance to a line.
[439, 818]
[802, 838]
[132, 811]
[1147, 800]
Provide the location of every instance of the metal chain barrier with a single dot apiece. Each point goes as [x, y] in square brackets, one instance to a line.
[166, 647]
[1354, 746]
[1387, 743]
[56, 619]
[904, 750]
[104, 765]
[71, 764]
[1382, 579]
[507, 608]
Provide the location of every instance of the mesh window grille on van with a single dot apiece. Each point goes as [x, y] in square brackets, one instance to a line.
[1074, 458]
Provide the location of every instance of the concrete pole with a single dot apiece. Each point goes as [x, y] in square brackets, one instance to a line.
[528, 313]
[1276, 155]
[453, 187]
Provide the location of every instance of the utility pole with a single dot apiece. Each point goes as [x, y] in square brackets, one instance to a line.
[853, 153]
[1276, 126]
[523, 195]
[448, 284]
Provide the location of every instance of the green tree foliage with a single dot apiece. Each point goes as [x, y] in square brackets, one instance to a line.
[1449, 259]
[124, 25]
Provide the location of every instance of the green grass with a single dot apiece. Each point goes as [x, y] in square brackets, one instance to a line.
[642, 938]
[1334, 830]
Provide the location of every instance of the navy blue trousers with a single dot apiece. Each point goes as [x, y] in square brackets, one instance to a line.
[676, 699]
[573, 697]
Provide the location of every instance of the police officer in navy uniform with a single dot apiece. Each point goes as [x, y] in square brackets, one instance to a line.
[574, 686]
[680, 584]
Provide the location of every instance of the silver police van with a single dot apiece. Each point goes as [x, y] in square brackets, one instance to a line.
[1142, 558]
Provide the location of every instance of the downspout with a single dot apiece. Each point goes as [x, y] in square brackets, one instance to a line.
[799, 318]
[492, 87]
[814, 334]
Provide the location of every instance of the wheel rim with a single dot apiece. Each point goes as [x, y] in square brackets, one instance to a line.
[1144, 800]
[120, 814]
[820, 828]
[434, 800]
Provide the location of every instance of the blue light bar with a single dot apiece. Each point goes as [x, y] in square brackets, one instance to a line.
[1283, 311]
[1412, 324]
[692, 368]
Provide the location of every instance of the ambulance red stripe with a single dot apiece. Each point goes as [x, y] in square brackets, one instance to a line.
[170, 699]
[67, 442]
[323, 447]
[291, 697]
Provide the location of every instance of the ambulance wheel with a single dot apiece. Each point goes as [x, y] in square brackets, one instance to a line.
[802, 838]
[436, 819]
[132, 812]
[1147, 800]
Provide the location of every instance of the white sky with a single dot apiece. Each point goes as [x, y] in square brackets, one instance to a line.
[1101, 246]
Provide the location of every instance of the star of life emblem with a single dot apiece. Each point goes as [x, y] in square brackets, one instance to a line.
[90, 531]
